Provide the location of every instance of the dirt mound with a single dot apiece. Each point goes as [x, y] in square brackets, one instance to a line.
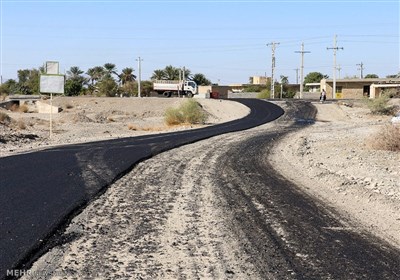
[80, 117]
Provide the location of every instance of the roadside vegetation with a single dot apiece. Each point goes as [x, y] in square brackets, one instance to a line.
[4, 118]
[190, 112]
[381, 106]
[387, 138]
[264, 94]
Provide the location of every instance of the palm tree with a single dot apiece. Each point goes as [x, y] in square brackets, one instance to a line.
[158, 75]
[127, 75]
[74, 72]
[96, 73]
[201, 80]
[171, 73]
[284, 79]
[110, 69]
[188, 74]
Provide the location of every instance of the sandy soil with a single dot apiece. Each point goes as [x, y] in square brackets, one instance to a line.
[85, 119]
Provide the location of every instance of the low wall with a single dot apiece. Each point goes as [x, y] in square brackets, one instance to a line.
[243, 94]
[45, 108]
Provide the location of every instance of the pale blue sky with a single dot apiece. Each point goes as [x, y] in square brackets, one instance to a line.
[225, 40]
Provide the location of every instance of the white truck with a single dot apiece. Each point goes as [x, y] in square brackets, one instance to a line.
[168, 87]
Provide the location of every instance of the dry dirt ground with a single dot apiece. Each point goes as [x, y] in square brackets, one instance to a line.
[167, 222]
[85, 119]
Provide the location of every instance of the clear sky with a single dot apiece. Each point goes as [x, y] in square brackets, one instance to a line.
[225, 40]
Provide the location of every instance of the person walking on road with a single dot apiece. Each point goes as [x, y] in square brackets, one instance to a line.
[322, 98]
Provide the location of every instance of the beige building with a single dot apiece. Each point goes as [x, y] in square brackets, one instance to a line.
[259, 80]
[217, 92]
[358, 88]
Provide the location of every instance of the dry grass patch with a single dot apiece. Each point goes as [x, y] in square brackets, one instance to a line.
[23, 108]
[21, 124]
[17, 108]
[387, 138]
[4, 118]
[189, 112]
[153, 128]
[380, 106]
[145, 128]
[133, 127]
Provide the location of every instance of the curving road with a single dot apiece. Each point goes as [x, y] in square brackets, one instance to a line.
[213, 209]
[40, 192]
[217, 209]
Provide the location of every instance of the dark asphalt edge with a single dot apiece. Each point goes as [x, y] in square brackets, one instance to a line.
[57, 237]
[296, 125]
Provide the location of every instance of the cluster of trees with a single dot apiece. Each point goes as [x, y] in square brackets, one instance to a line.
[106, 81]
[100, 80]
[28, 83]
[173, 73]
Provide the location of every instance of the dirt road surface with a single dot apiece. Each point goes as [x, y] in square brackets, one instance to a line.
[218, 209]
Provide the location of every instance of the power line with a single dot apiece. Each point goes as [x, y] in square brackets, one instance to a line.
[302, 52]
[361, 68]
[339, 68]
[335, 48]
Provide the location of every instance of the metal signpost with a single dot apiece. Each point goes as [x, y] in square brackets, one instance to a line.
[53, 83]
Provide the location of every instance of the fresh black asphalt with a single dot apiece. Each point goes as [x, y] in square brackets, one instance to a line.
[41, 191]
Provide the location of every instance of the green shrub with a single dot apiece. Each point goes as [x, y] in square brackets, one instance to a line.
[264, 94]
[193, 112]
[254, 88]
[189, 112]
[379, 106]
[173, 116]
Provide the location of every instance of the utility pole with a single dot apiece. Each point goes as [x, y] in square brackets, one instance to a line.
[273, 46]
[335, 48]
[361, 68]
[139, 60]
[297, 75]
[180, 82]
[338, 69]
[302, 52]
[183, 81]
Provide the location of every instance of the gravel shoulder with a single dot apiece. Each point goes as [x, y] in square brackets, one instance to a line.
[332, 160]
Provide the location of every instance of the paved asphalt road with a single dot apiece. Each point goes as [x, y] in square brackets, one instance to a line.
[41, 191]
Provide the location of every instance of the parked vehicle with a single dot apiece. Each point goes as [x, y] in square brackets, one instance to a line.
[169, 88]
